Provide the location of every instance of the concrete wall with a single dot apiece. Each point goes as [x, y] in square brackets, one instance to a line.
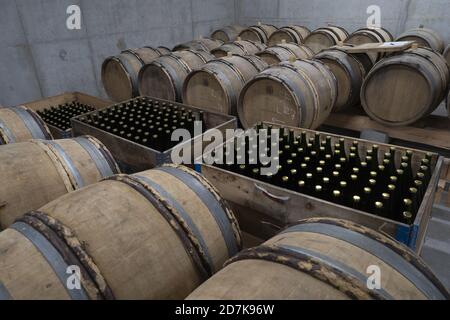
[396, 15]
[40, 57]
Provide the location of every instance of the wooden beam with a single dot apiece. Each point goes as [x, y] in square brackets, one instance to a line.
[434, 130]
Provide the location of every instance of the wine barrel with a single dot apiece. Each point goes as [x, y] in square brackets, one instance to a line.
[294, 33]
[447, 55]
[349, 73]
[324, 259]
[370, 35]
[18, 124]
[39, 171]
[163, 50]
[363, 58]
[241, 47]
[155, 235]
[203, 44]
[164, 77]
[284, 51]
[216, 85]
[423, 37]
[120, 73]
[404, 88]
[324, 38]
[228, 33]
[259, 33]
[299, 94]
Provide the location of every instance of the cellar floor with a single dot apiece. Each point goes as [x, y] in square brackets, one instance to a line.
[436, 249]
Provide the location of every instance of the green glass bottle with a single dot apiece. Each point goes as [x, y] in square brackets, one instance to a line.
[356, 202]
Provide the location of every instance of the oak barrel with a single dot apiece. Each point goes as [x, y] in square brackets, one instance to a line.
[324, 259]
[349, 73]
[447, 55]
[293, 33]
[284, 51]
[404, 88]
[259, 33]
[164, 77]
[216, 85]
[155, 235]
[423, 37]
[228, 33]
[241, 47]
[299, 94]
[38, 171]
[18, 124]
[324, 38]
[204, 44]
[370, 35]
[120, 73]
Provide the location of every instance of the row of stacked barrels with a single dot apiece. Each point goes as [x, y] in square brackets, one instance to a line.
[167, 234]
[246, 72]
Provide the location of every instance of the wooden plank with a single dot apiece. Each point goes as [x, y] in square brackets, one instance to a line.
[433, 130]
[379, 47]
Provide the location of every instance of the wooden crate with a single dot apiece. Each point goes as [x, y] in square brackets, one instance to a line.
[443, 192]
[133, 157]
[263, 209]
[431, 133]
[68, 97]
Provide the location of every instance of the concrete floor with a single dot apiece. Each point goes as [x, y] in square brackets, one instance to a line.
[436, 249]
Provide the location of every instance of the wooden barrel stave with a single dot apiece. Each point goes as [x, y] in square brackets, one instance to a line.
[39, 171]
[293, 33]
[284, 51]
[228, 33]
[18, 254]
[299, 94]
[18, 124]
[349, 74]
[447, 55]
[448, 104]
[203, 44]
[241, 47]
[120, 73]
[259, 33]
[370, 35]
[423, 37]
[163, 50]
[216, 85]
[324, 258]
[164, 77]
[340, 32]
[422, 75]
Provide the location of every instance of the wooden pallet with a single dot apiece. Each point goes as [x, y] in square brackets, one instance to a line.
[433, 131]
